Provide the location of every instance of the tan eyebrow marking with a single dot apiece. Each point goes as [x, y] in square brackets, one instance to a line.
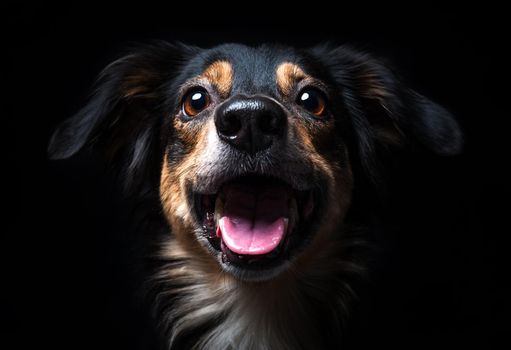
[220, 74]
[288, 74]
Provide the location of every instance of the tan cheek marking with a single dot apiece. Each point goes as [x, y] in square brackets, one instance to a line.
[177, 212]
[287, 75]
[307, 143]
[341, 186]
[220, 74]
[173, 178]
[339, 177]
[303, 134]
[170, 192]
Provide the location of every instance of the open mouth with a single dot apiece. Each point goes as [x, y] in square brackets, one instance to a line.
[255, 222]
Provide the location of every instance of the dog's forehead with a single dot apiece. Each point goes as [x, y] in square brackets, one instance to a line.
[253, 70]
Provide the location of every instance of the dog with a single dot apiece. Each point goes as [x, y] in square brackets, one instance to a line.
[255, 155]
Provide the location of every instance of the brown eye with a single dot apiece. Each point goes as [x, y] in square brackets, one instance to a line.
[195, 101]
[312, 100]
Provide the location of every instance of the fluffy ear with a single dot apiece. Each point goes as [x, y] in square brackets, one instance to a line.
[122, 115]
[385, 109]
[433, 125]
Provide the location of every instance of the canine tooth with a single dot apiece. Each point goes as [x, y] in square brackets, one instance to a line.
[220, 228]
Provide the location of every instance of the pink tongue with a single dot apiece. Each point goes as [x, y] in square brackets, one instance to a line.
[254, 220]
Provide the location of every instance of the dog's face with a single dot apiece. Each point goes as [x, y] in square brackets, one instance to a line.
[257, 167]
[253, 147]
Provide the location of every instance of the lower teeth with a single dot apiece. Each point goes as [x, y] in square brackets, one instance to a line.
[209, 226]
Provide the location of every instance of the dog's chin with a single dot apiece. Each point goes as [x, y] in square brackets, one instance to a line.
[256, 225]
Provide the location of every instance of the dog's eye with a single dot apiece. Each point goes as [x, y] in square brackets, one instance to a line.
[195, 101]
[312, 100]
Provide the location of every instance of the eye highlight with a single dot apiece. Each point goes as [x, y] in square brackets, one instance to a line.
[195, 101]
[313, 101]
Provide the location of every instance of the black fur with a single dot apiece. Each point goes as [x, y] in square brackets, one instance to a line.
[128, 119]
[130, 128]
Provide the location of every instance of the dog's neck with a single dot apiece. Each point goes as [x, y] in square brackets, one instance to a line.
[206, 308]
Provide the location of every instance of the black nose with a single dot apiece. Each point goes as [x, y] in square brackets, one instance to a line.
[251, 124]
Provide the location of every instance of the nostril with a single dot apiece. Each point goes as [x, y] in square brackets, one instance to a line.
[230, 125]
[270, 124]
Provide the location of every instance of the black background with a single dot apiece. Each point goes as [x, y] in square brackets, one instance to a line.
[68, 269]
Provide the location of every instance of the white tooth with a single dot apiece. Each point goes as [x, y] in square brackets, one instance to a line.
[286, 225]
[221, 224]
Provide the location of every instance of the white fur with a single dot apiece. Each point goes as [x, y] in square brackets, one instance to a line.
[294, 311]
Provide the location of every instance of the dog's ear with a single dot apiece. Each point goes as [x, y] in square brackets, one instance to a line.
[122, 115]
[389, 112]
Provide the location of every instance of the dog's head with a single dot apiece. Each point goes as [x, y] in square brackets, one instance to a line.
[253, 148]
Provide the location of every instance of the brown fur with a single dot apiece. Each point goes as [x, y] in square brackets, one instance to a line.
[288, 75]
[220, 75]
[172, 186]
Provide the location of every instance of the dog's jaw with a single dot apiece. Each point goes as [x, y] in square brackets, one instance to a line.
[189, 227]
[292, 311]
